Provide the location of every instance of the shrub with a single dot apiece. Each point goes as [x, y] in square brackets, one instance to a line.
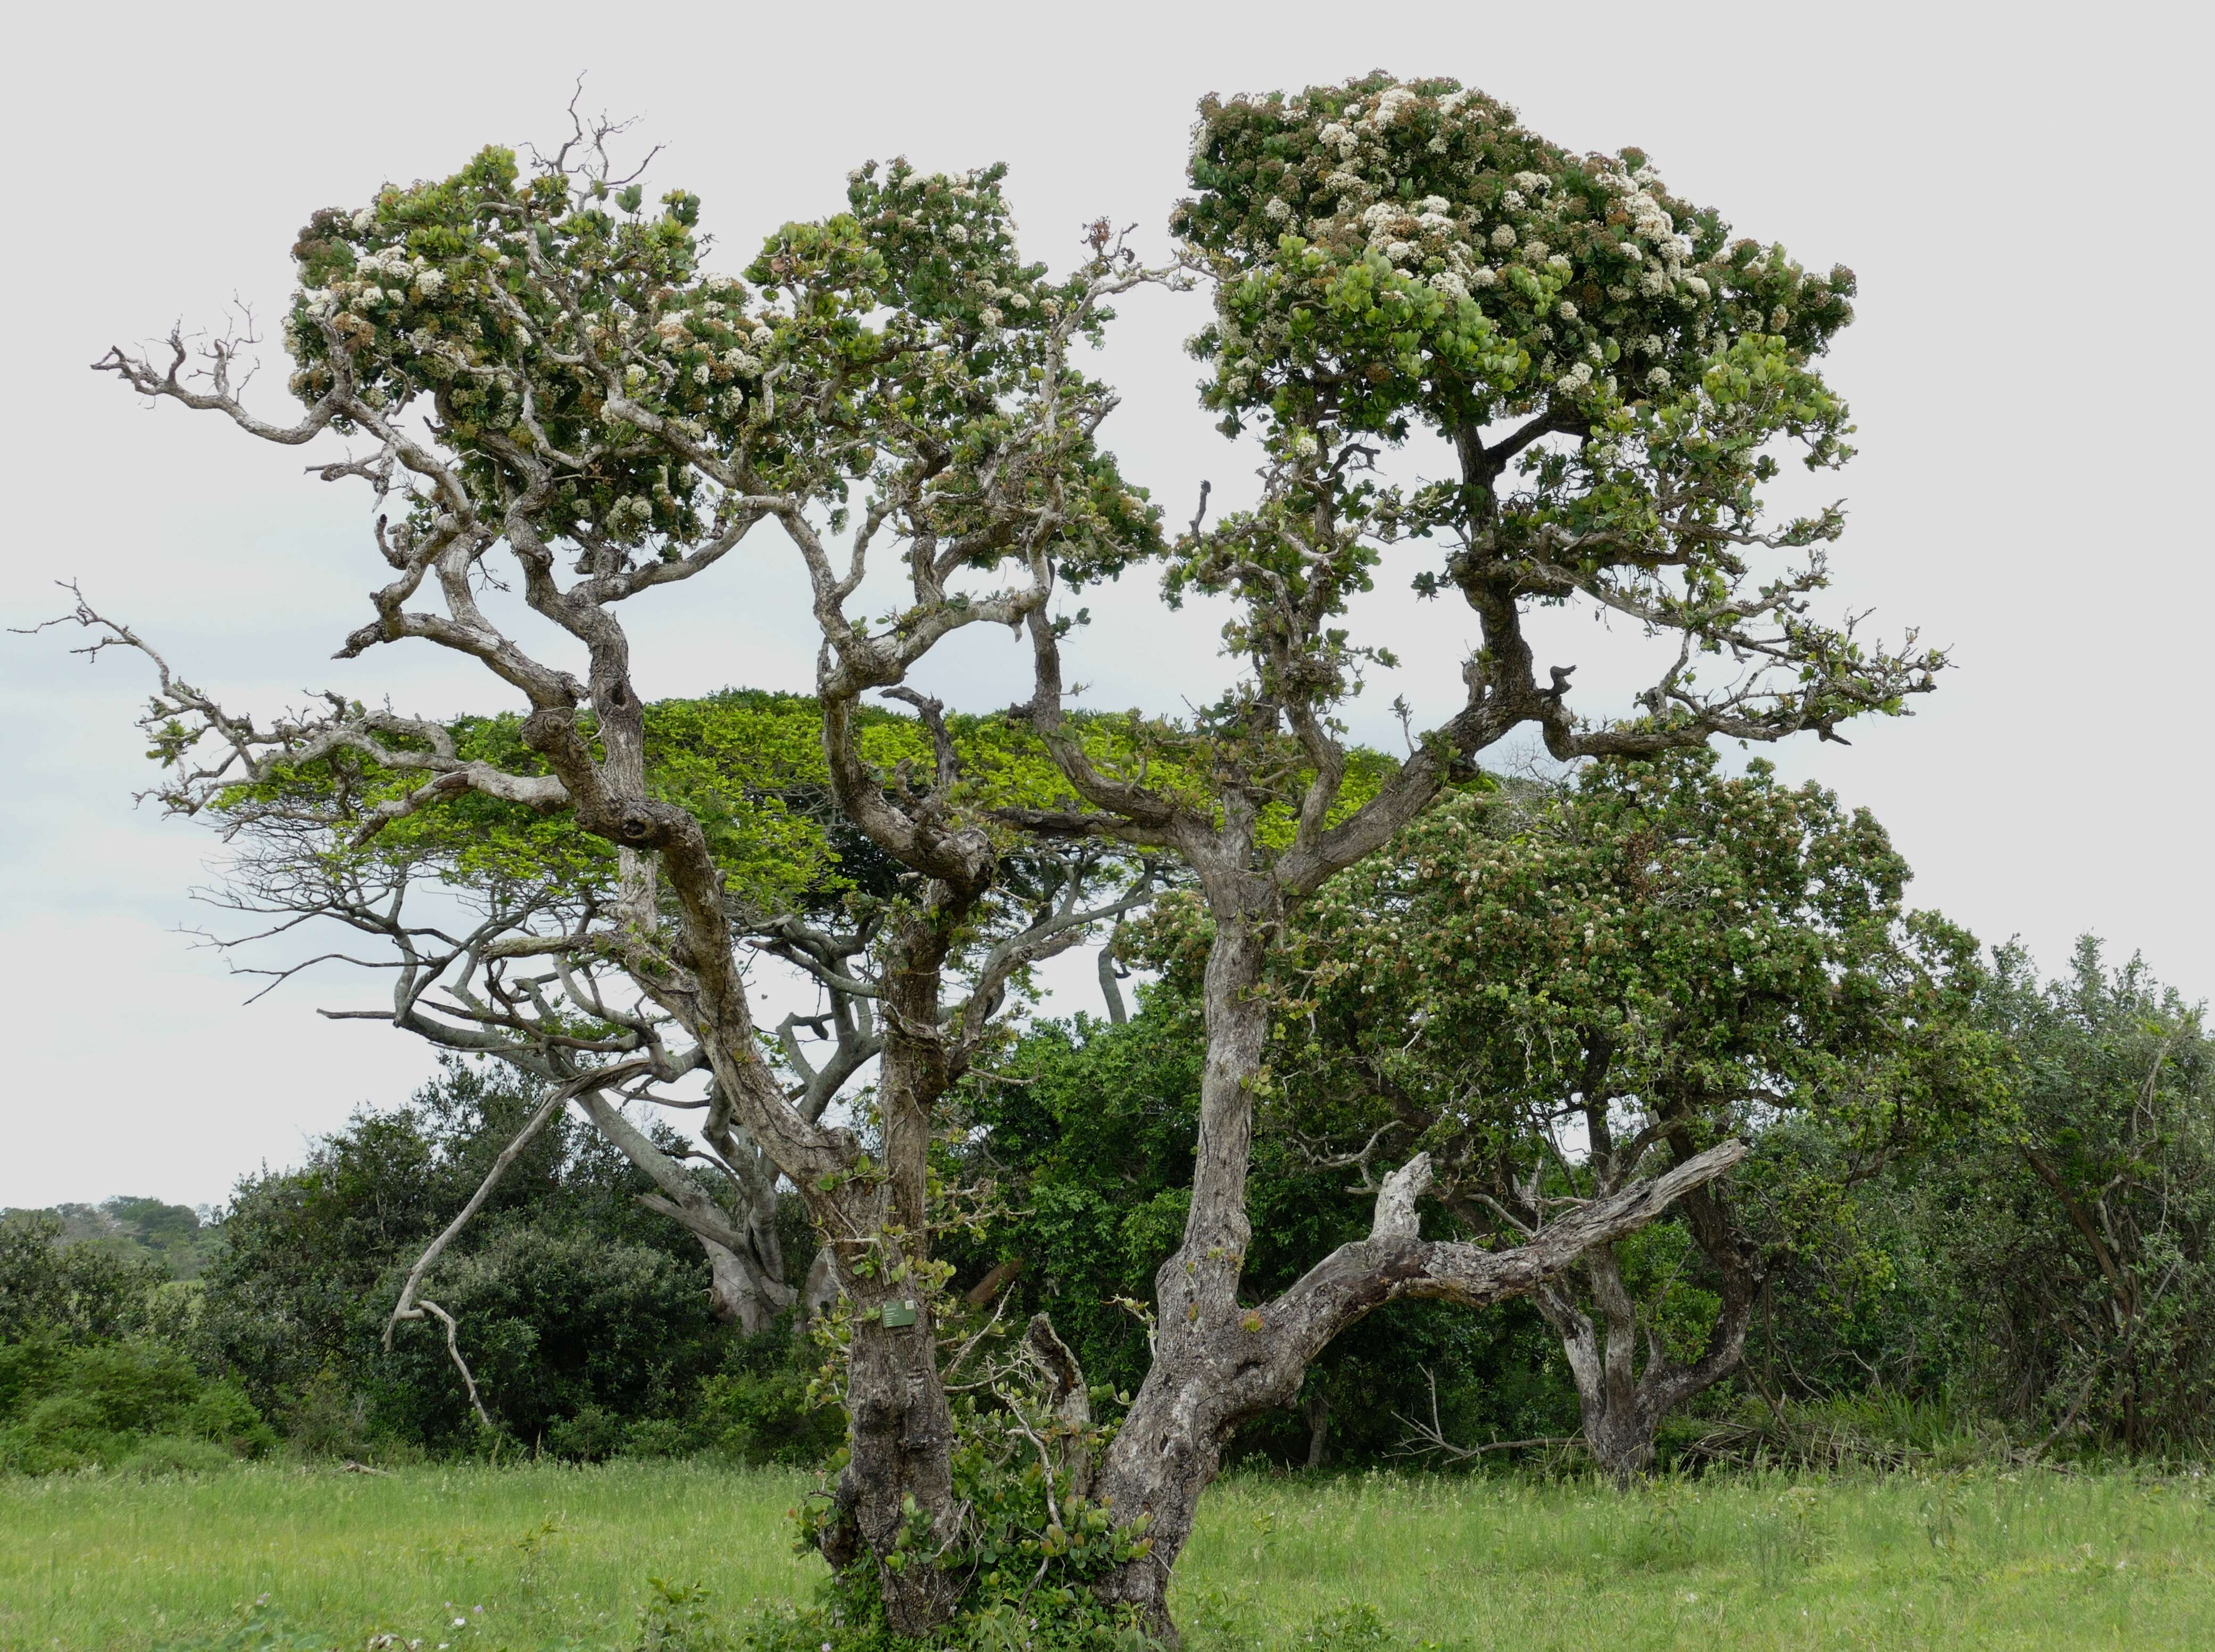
[98, 1404]
[169, 1454]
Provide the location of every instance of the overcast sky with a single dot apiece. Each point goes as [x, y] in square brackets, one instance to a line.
[2022, 191]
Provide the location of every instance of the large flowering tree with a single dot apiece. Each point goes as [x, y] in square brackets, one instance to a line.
[1615, 376]
[543, 385]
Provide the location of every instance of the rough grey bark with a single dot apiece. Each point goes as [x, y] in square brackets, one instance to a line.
[1315, 1409]
[1228, 1362]
[1622, 1404]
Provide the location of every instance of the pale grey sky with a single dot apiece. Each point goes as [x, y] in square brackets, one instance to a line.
[2020, 190]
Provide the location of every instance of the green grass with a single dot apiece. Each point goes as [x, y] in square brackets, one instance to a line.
[559, 1556]
[106, 1561]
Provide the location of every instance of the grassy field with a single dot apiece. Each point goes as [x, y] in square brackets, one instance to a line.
[543, 1556]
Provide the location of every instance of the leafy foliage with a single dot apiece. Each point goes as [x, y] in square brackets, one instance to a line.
[585, 1319]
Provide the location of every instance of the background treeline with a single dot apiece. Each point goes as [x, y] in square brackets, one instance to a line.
[1977, 1221]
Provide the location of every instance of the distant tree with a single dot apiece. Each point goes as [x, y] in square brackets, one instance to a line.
[2080, 1239]
[1542, 987]
[572, 1296]
[83, 1291]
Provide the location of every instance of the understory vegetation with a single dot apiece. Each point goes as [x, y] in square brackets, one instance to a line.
[1958, 1306]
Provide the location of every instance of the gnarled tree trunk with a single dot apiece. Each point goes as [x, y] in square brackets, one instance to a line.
[1218, 1361]
[895, 1495]
[1622, 1406]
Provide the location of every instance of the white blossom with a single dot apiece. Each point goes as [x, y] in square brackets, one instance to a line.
[1698, 288]
[1395, 99]
[1511, 200]
[1451, 285]
[1532, 183]
[988, 315]
[1278, 209]
[1504, 236]
[1658, 379]
[431, 283]
[958, 233]
[365, 219]
[1568, 311]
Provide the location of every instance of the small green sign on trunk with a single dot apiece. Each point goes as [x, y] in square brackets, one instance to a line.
[897, 1314]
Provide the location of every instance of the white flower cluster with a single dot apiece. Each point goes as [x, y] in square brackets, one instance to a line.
[1391, 102]
[1277, 210]
[1341, 138]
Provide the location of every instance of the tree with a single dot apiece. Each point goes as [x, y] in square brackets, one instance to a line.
[802, 887]
[2076, 1237]
[537, 373]
[1611, 373]
[541, 372]
[573, 1301]
[1542, 987]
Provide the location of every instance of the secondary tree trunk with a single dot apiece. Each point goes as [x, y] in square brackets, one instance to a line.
[1622, 1406]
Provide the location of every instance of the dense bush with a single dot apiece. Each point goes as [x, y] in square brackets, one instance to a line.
[68, 1405]
[2054, 1272]
[585, 1319]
